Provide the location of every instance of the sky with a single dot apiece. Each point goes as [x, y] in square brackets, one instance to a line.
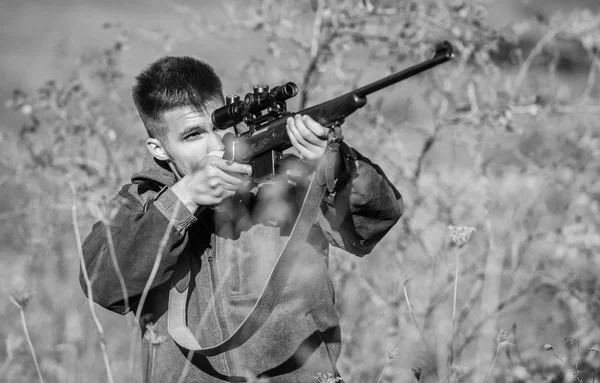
[41, 39]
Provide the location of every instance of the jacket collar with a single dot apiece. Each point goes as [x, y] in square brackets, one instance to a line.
[154, 170]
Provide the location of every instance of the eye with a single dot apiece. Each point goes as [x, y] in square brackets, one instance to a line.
[194, 135]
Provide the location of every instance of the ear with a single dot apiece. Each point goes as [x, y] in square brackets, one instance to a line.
[156, 148]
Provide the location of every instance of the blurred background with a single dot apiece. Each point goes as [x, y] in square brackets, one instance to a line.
[502, 142]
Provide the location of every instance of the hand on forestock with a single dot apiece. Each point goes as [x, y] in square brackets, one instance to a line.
[210, 182]
[308, 136]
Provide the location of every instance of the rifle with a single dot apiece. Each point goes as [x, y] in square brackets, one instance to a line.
[265, 113]
[262, 146]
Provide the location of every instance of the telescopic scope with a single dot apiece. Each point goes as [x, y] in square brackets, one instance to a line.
[235, 110]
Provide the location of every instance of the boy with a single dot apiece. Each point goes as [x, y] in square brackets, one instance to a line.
[226, 237]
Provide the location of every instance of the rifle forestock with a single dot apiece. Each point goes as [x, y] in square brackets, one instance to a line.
[274, 135]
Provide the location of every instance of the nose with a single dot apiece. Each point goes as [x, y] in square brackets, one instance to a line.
[215, 142]
[223, 132]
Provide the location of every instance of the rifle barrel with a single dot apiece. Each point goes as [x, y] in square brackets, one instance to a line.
[443, 53]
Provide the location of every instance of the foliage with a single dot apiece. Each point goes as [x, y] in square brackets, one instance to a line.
[495, 141]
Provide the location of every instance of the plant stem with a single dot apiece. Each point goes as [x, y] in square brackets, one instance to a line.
[412, 316]
[161, 247]
[186, 368]
[537, 49]
[24, 322]
[454, 313]
[7, 362]
[113, 257]
[455, 286]
[130, 322]
[89, 284]
[159, 253]
[574, 371]
[152, 362]
[132, 343]
[387, 360]
[493, 364]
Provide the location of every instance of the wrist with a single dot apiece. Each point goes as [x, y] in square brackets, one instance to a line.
[180, 191]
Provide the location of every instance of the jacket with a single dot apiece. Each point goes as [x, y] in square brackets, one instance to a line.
[230, 252]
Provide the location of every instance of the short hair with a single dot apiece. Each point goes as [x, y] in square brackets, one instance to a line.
[170, 83]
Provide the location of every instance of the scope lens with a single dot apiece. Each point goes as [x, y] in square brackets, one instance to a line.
[290, 90]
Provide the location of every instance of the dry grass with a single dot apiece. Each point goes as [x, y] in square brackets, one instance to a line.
[502, 149]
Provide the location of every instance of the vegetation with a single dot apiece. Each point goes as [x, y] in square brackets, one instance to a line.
[493, 265]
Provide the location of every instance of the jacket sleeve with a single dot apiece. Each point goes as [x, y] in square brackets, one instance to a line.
[363, 207]
[136, 232]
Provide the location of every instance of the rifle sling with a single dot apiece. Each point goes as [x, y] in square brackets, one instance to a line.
[269, 297]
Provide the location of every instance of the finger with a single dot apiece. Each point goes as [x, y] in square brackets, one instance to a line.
[234, 167]
[305, 133]
[208, 159]
[231, 181]
[216, 187]
[292, 127]
[225, 190]
[316, 128]
[304, 153]
[227, 193]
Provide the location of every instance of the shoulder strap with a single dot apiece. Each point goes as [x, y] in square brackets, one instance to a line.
[269, 297]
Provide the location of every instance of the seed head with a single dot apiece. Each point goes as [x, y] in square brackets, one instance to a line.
[417, 373]
[327, 378]
[21, 298]
[570, 341]
[405, 278]
[460, 234]
[104, 211]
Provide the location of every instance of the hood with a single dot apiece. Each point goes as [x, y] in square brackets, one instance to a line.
[154, 170]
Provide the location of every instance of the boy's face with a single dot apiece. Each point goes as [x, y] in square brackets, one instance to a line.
[190, 137]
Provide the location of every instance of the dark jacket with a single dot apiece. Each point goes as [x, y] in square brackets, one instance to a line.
[301, 337]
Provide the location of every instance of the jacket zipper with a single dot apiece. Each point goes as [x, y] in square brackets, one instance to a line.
[213, 281]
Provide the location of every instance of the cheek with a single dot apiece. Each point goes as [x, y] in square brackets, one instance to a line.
[187, 155]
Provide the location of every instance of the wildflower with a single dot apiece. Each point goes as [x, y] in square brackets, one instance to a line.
[392, 352]
[460, 234]
[505, 339]
[153, 336]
